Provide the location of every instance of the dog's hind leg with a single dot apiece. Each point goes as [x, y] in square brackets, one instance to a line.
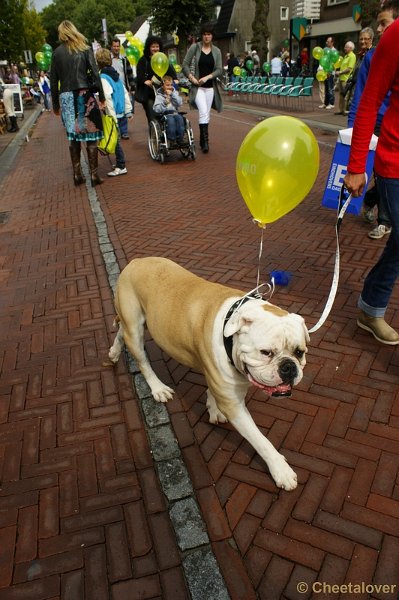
[133, 334]
[116, 348]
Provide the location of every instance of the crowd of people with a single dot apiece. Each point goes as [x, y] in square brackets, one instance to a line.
[82, 87]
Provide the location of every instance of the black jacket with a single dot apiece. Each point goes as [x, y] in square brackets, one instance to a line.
[128, 72]
[69, 73]
[145, 72]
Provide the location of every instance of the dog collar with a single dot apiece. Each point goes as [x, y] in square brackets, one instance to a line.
[228, 340]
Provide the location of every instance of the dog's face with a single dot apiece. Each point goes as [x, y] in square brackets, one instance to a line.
[269, 346]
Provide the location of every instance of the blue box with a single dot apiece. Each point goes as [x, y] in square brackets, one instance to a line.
[338, 170]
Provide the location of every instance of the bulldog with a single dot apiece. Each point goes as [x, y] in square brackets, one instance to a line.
[235, 341]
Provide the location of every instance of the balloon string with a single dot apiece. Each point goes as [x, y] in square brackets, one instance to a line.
[259, 259]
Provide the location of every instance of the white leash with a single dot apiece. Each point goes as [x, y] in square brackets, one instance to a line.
[342, 206]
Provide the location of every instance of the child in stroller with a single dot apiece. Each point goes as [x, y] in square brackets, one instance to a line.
[167, 103]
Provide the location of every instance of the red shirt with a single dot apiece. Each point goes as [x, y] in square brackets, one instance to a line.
[383, 76]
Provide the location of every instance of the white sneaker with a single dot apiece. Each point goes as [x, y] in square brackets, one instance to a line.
[322, 105]
[330, 106]
[379, 231]
[117, 172]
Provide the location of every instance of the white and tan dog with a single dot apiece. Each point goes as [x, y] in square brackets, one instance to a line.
[189, 318]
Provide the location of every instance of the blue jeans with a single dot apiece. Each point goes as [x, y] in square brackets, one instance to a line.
[329, 83]
[119, 154]
[122, 123]
[379, 283]
[174, 127]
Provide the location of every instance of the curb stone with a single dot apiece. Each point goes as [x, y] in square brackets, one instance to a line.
[199, 563]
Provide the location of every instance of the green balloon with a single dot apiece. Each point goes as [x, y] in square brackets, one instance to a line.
[46, 48]
[334, 55]
[48, 56]
[135, 52]
[325, 62]
[39, 56]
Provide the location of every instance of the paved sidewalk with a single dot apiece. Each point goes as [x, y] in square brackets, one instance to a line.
[105, 494]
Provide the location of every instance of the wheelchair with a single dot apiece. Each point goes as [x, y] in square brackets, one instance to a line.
[159, 145]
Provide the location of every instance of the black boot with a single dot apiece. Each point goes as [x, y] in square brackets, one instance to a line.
[92, 155]
[74, 149]
[204, 140]
[14, 127]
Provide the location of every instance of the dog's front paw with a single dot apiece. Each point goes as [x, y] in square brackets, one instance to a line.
[282, 474]
[162, 394]
[215, 416]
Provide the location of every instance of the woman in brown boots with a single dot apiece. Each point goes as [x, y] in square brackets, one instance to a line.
[74, 81]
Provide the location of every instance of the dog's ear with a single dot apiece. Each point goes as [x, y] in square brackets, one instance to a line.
[235, 323]
[302, 321]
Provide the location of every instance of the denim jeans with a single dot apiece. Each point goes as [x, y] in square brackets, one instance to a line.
[174, 127]
[122, 123]
[119, 154]
[371, 199]
[329, 83]
[379, 283]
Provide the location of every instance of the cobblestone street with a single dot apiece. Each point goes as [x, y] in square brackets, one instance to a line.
[107, 495]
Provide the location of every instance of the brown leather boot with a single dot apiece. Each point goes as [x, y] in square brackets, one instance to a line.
[92, 155]
[379, 328]
[74, 149]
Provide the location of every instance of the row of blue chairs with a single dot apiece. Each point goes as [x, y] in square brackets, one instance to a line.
[275, 90]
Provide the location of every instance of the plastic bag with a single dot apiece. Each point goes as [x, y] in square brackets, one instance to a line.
[108, 144]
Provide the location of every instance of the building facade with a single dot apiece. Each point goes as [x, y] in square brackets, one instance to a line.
[325, 18]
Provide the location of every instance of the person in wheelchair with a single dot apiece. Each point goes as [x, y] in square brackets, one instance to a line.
[167, 103]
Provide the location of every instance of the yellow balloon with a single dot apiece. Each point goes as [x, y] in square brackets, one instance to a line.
[128, 35]
[177, 68]
[321, 75]
[276, 167]
[338, 63]
[317, 52]
[159, 63]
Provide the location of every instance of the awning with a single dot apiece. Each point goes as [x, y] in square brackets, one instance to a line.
[346, 25]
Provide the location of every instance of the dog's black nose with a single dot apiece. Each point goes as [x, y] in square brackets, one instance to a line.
[288, 371]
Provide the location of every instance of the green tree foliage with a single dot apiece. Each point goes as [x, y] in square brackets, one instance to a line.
[53, 14]
[183, 16]
[119, 14]
[260, 29]
[11, 29]
[86, 15]
[34, 33]
[20, 29]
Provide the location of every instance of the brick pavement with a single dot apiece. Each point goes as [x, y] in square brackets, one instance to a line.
[82, 513]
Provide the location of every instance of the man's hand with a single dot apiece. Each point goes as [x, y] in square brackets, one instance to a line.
[355, 182]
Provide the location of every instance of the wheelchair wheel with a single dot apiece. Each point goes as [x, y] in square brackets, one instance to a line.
[188, 150]
[154, 141]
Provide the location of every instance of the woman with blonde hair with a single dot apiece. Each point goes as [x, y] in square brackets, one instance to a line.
[74, 80]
